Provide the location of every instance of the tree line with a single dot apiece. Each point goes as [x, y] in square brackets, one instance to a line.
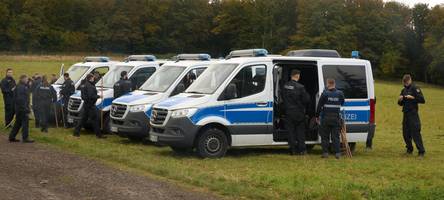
[394, 37]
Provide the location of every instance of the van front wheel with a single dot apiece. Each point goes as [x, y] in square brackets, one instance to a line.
[212, 143]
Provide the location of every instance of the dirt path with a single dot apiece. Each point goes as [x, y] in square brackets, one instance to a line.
[32, 171]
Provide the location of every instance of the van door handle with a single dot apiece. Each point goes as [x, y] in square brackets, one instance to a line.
[262, 104]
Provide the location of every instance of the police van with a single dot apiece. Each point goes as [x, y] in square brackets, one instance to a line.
[130, 113]
[78, 71]
[139, 68]
[237, 102]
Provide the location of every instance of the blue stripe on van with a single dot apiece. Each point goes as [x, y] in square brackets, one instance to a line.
[357, 115]
[106, 102]
[217, 111]
[357, 103]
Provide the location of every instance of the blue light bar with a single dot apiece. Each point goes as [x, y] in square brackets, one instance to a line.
[96, 59]
[201, 56]
[355, 54]
[148, 58]
[248, 53]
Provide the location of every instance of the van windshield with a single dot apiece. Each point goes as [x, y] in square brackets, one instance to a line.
[75, 73]
[162, 79]
[113, 76]
[212, 78]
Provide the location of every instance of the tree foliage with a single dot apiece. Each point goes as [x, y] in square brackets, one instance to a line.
[395, 38]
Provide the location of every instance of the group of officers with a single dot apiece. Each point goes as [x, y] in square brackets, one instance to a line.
[296, 100]
[39, 89]
[328, 115]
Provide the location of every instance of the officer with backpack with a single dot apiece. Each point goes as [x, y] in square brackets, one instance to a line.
[329, 108]
[46, 95]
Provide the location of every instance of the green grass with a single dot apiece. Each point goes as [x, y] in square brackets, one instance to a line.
[269, 173]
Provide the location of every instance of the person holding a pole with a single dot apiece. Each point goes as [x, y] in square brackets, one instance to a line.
[67, 89]
[329, 108]
[46, 95]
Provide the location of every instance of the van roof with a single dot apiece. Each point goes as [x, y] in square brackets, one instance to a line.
[291, 58]
[137, 63]
[94, 64]
[186, 63]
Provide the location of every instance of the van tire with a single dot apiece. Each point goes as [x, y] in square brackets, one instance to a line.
[212, 143]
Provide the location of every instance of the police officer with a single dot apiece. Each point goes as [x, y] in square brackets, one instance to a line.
[46, 95]
[409, 99]
[89, 97]
[296, 100]
[123, 86]
[37, 80]
[67, 89]
[329, 107]
[7, 87]
[22, 110]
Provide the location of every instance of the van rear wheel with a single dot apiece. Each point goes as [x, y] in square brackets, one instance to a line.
[212, 143]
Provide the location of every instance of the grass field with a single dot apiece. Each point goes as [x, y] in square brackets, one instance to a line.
[270, 173]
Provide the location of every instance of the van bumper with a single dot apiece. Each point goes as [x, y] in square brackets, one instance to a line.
[74, 117]
[177, 132]
[133, 125]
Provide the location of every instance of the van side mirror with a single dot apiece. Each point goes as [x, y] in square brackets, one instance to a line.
[231, 92]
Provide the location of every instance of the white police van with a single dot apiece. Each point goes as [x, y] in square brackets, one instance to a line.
[78, 71]
[130, 114]
[237, 102]
[139, 68]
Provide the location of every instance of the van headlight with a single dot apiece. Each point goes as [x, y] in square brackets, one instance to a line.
[140, 108]
[183, 112]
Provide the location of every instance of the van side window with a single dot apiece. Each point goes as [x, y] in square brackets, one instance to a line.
[141, 75]
[349, 79]
[250, 80]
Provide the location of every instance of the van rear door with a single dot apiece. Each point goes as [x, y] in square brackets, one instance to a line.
[352, 79]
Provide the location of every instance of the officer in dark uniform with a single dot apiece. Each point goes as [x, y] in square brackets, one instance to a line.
[8, 86]
[46, 95]
[67, 89]
[296, 100]
[409, 99]
[22, 110]
[37, 80]
[89, 97]
[329, 107]
[123, 86]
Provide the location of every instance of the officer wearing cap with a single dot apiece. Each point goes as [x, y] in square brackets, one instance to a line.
[89, 97]
[67, 89]
[123, 86]
[8, 86]
[296, 100]
[411, 95]
[329, 107]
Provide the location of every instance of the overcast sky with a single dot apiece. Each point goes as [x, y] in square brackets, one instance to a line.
[411, 3]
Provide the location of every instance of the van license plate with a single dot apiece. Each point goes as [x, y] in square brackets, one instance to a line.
[70, 120]
[154, 138]
[114, 129]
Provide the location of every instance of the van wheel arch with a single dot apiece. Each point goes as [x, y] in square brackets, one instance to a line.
[216, 126]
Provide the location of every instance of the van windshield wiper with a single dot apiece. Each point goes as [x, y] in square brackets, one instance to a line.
[195, 92]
